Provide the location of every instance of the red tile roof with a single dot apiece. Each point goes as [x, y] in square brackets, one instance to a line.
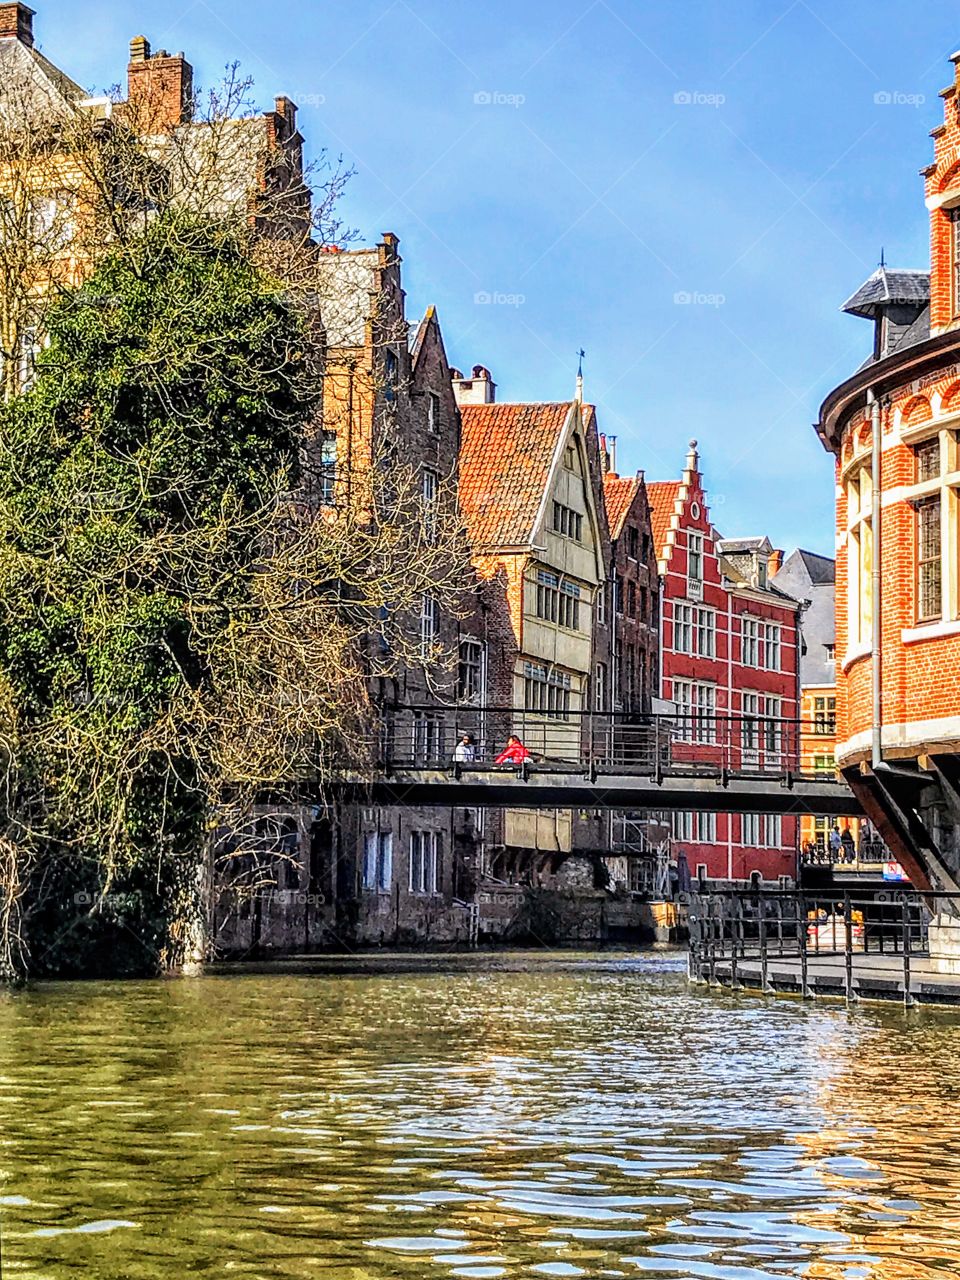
[506, 454]
[663, 499]
[619, 493]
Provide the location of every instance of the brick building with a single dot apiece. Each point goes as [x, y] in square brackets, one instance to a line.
[626, 681]
[729, 660]
[894, 430]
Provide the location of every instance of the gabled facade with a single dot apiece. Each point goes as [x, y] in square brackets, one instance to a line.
[729, 668]
[539, 544]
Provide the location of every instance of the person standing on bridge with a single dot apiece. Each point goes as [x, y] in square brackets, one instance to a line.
[465, 752]
[835, 842]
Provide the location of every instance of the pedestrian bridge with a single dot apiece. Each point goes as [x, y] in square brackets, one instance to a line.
[448, 756]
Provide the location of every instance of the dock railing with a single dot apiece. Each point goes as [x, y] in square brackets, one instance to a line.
[739, 933]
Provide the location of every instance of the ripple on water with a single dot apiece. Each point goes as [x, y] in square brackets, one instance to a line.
[464, 1121]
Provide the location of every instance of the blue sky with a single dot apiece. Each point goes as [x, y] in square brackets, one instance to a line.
[583, 163]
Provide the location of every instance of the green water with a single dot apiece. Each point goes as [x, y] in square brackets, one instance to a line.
[523, 1116]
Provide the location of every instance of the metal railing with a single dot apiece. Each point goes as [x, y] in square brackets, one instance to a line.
[591, 742]
[744, 932]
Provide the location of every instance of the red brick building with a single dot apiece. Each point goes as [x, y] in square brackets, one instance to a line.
[730, 670]
[894, 430]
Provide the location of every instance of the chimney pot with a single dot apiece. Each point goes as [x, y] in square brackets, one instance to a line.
[139, 49]
[16, 23]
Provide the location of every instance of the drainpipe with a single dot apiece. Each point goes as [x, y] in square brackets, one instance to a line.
[875, 568]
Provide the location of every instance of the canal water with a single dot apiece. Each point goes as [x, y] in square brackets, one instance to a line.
[517, 1115]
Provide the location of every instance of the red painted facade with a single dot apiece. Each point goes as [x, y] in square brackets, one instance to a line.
[730, 668]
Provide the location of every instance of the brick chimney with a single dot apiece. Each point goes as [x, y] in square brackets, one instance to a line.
[159, 86]
[775, 562]
[480, 388]
[16, 23]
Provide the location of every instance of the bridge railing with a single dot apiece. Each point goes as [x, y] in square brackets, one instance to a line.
[590, 742]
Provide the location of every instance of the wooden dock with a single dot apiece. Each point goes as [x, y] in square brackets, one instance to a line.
[861, 977]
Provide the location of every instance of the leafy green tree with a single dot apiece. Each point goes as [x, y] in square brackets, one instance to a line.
[139, 478]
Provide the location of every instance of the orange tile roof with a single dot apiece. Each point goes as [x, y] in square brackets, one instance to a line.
[505, 458]
[619, 493]
[663, 500]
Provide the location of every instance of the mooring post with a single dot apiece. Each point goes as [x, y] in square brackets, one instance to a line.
[762, 924]
[905, 931]
[848, 948]
[805, 991]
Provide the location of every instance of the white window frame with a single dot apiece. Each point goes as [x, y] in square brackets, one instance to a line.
[378, 861]
[423, 863]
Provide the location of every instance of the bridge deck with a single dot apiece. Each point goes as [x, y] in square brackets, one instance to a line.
[554, 789]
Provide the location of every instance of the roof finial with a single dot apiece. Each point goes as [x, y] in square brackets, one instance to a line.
[693, 457]
[579, 395]
[883, 258]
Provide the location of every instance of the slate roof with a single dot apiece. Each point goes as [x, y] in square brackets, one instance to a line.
[662, 495]
[730, 546]
[619, 493]
[31, 81]
[506, 454]
[889, 287]
[822, 569]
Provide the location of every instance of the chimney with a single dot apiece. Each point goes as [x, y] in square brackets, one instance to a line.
[16, 23]
[480, 388]
[612, 452]
[775, 563]
[286, 109]
[159, 87]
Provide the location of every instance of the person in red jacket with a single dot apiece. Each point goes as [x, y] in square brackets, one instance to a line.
[514, 752]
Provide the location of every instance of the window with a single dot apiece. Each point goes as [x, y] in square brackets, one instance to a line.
[546, 694]
[29, 350]
[433, 412]
[631, 599]
[470, 672]
[570, 458]
[770, 829]
[750, 830]
[696, 708]
[602, 603]
[328, 468]
[825, 716]
[694, 630]
[427, 738]
[558, 601]
[391, 369]
[429, 483]
[760, 644]
[928, 460]
[860, 555]
[695, 565]
[706, 633]
[683, 628]
[568, 522]
[617, 592]
[378, 860]
[600, 687]
[954, 216]
[633, 543]
[929, 567]
[824, 766]
[750, 642]
[424, 862]
[429, 625]
[771, 647]
[700, 828]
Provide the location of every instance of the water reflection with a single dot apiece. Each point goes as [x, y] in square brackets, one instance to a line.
[551, 1117]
